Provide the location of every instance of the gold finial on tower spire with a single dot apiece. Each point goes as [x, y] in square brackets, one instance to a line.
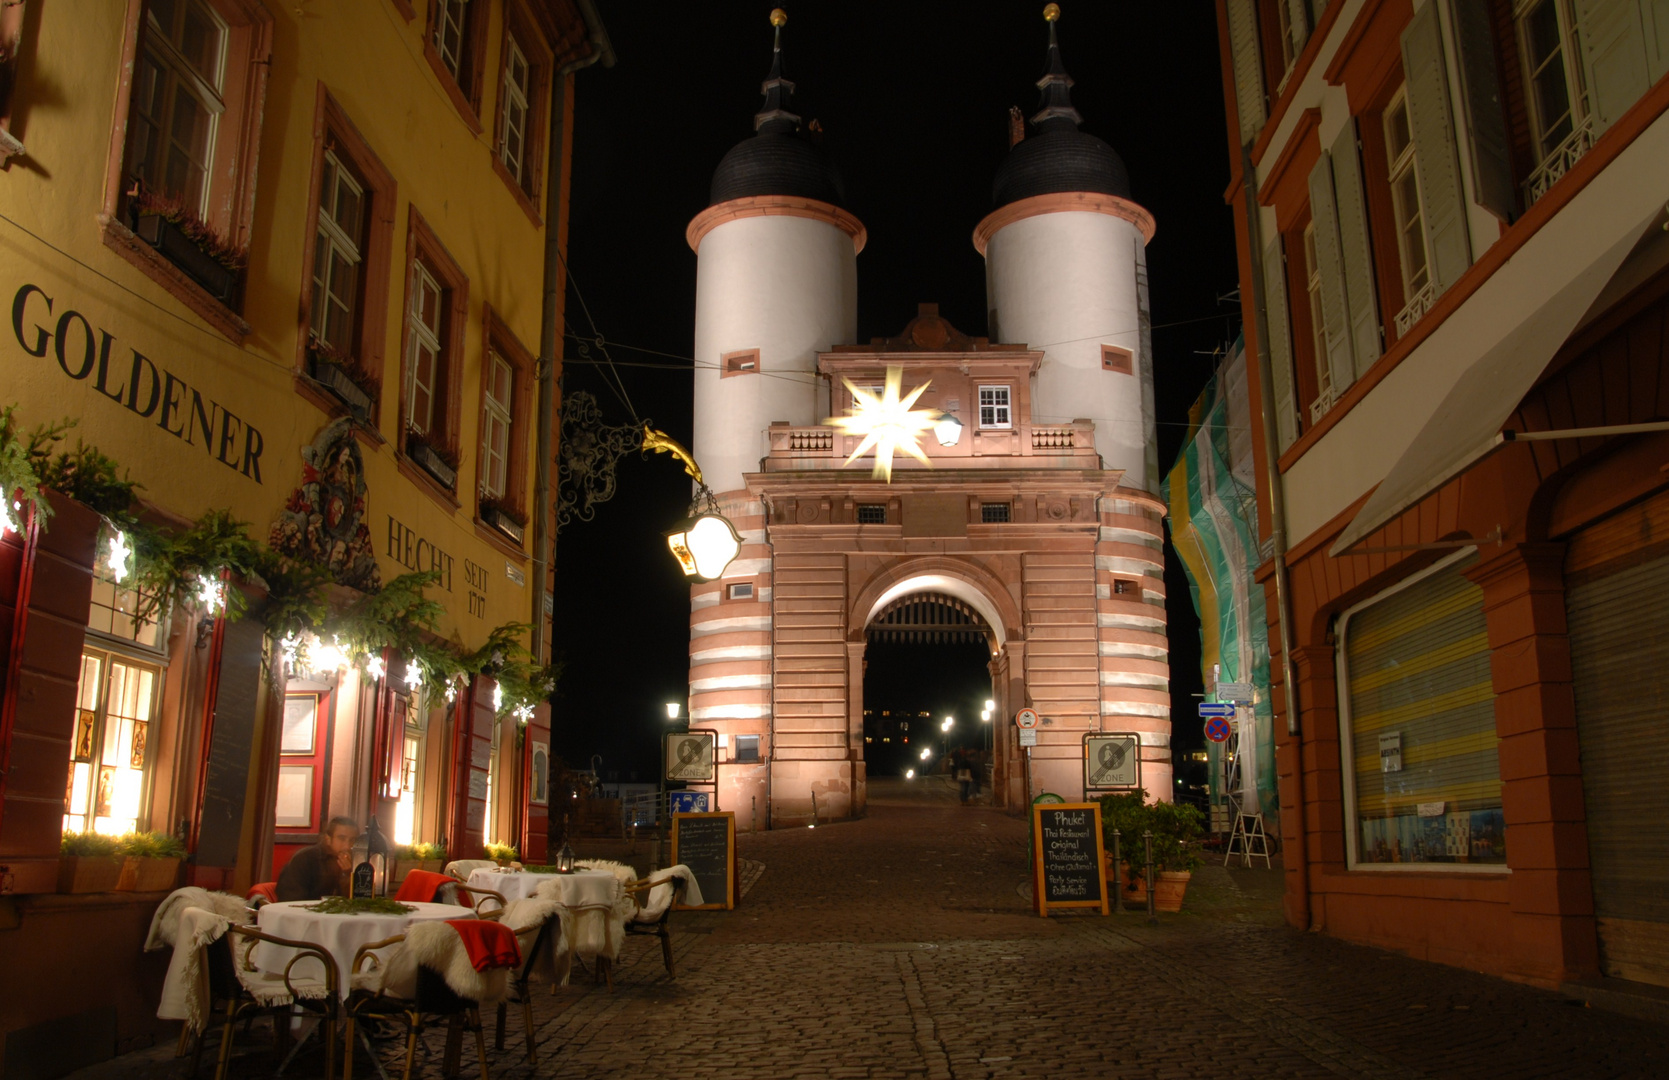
[779, 17]
[1051, 12]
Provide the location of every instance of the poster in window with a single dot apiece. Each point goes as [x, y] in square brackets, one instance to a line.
[84, 736]
[300, 712]
[541, 774]
[106, 791]
[136, 753]
[294, 805]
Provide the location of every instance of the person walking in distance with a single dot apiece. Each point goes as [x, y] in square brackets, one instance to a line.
[964, 775]
[321, 870]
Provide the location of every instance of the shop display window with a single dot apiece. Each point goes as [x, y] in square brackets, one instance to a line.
[1421, 758]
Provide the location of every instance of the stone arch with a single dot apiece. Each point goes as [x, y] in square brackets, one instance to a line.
[966, 581]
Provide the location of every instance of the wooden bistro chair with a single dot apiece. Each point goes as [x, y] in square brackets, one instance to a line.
[237, 991]
[471, 897]
[410, 985]
[654, 911]
[537, 925]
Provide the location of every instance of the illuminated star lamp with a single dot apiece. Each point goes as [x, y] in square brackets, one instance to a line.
[705, 542]
[888, 423]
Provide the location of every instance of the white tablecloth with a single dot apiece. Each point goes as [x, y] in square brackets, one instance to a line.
[342, 936]
[596, 906]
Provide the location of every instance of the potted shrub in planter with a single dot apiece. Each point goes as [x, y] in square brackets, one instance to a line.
[184, 239]
[341, 374]
[409, 857]
[1176, 833]
[88, 862]
[1128, 813]
[151, 863]
[504, 517]
[434, 458]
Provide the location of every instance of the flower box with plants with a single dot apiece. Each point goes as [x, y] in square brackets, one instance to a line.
[342, 375]
[184, 239]
[502, 515]
[433, 457]
[151, 862]
[503, 854]
[89, 862]
[409, 857]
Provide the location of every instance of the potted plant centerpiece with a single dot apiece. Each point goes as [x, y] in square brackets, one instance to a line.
[89, 862]
[502, 854]
[151, 862]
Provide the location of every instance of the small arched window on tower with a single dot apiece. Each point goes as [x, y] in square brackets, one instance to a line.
[1116, 358]
[745, 362]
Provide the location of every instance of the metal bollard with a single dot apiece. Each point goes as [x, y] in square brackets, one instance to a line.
[1147, 846]
[814, 809]
[1118, 892]
[754, 799]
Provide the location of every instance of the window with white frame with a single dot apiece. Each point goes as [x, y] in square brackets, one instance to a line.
[512, 136]
[1421, 758]
[451, 21]
[338, 252]
[116, 700]
[177, 100]
[1405, 198]
[1318, 329]
[1547, 42]
[495, 426]
[423, 352]
[994, 407]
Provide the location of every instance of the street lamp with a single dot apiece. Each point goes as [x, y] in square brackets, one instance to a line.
[662, 817]
[947, 429]
[705, 542]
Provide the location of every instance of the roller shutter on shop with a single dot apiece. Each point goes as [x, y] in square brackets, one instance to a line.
[1617, 601]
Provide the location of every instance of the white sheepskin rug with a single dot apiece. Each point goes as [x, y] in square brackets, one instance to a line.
[436, 946]
[165, 923]
[525, 918]
[620, 870]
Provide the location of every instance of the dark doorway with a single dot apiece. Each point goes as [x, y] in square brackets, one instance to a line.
[909, 689]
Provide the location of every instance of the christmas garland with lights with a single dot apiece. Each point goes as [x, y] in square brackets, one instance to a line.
[191, 568]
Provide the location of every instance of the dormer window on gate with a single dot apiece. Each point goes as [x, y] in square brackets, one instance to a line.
[994, 409]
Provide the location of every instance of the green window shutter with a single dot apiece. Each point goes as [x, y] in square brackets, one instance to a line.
[1355, 250]
[1248, 67]
[1299, 15]
[1613, 57]
[1486, 119]
[1447, 244]
[1655, 15]
[1278, 353]
[1335, 316]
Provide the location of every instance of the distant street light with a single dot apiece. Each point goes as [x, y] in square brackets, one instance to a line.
[926, 752]
[909, 774]
[662, 818]
[990, 706]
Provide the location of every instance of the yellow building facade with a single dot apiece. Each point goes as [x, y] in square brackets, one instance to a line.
[299, 263]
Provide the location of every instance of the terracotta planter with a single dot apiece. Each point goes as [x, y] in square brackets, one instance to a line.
[143, 874]
[1169, 888]
[89, 873]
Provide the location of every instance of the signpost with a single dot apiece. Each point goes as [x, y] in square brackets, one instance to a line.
[706, 843]
[689, 756]
[1026, 718]
[689, 802]
[1218, 729]
[1112, 760]
[1239, 693]
[1217, 708]
[1069, 868]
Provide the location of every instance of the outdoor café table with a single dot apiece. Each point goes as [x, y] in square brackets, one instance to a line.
[341, 936]
[595, 903]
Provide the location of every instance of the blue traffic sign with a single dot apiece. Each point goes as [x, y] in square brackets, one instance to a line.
[1217, 729]
[1216, 708]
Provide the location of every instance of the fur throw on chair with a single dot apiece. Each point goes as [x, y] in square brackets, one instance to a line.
[620, 870]
[437, 946]
[185, 991]
[664, 888]
[463, 868]
[165, 923]
[525, 918]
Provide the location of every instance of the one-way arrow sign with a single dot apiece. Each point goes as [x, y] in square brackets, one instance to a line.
[1214, 708]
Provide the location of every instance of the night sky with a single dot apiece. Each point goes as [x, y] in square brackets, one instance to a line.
[913, 100]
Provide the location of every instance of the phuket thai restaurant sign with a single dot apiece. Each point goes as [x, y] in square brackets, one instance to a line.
[48, 328]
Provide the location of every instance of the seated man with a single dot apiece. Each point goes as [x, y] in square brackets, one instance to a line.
[321, 870]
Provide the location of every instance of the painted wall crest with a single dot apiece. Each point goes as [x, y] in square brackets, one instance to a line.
[324, 520]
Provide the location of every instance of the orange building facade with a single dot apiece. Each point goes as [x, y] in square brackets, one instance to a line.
[1455, 278]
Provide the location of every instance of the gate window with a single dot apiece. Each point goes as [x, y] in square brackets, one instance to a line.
[1421, 761]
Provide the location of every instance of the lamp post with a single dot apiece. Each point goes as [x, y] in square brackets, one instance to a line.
[662, 817]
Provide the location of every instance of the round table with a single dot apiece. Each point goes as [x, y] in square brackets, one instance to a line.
[595, 905]
[342, 936]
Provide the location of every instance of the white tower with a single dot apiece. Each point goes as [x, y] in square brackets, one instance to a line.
[776, 283]
[1066, 273]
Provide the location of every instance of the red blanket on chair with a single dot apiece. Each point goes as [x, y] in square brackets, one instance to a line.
[489, 944]
[420, 887]
[266, 890]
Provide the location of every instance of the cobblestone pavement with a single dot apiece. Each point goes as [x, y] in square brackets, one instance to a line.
[900, 946]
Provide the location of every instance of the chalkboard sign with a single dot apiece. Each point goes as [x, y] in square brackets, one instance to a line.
[706, 843]
[1068, 869]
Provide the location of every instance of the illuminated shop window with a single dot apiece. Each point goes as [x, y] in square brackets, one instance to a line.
[110, 752]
